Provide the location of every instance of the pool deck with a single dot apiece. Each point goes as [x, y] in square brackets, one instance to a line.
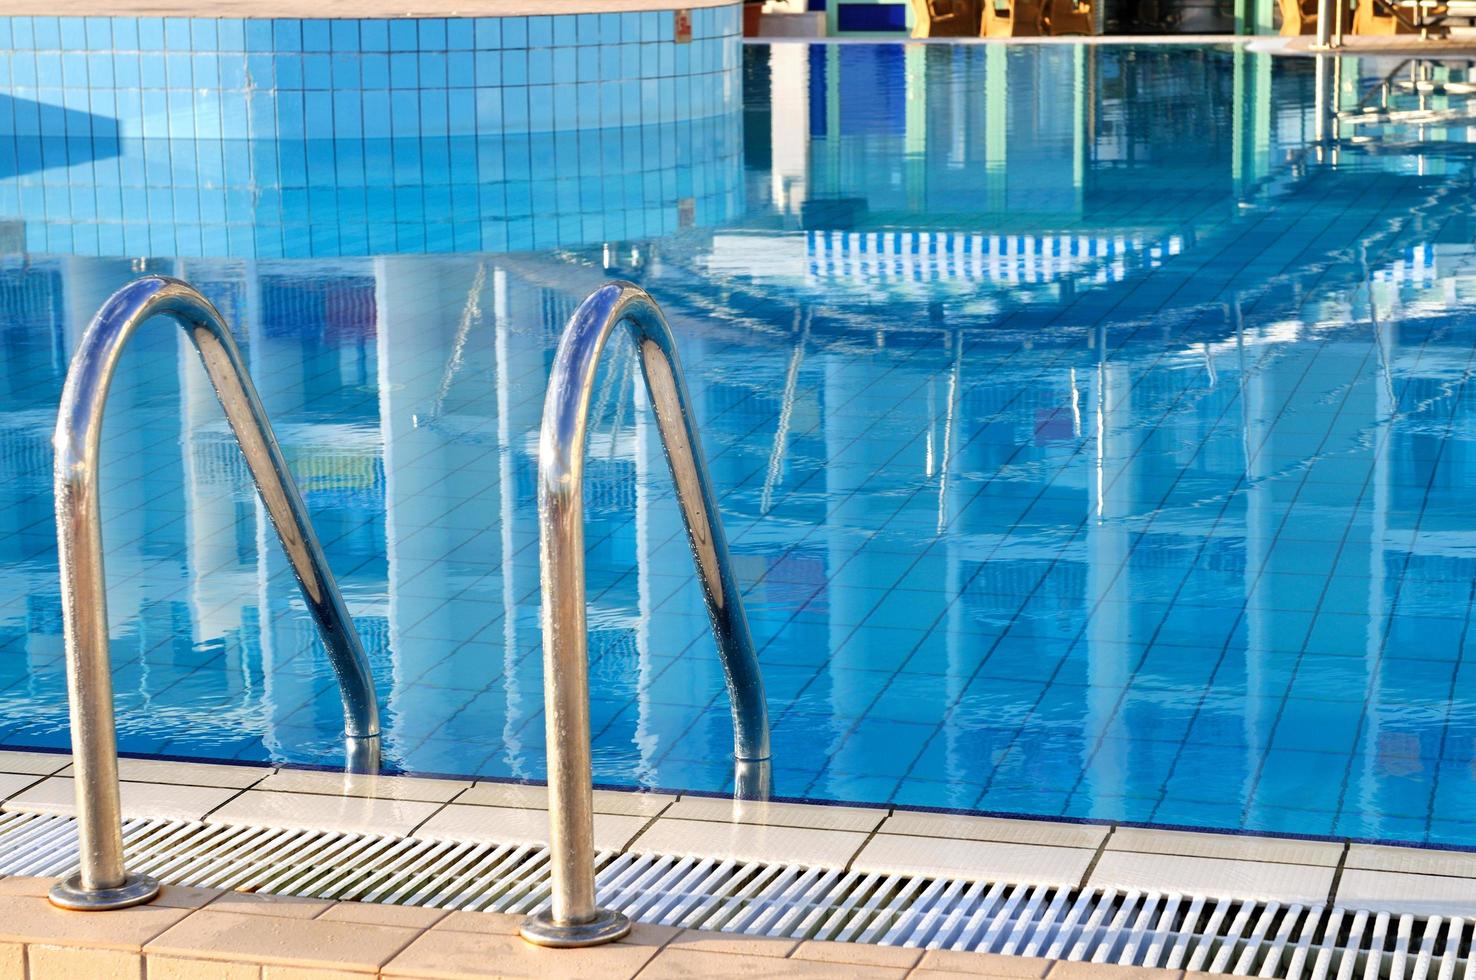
[352, 9]
[206, 934]
[888, 841]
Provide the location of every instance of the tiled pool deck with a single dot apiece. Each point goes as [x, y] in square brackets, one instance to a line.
[309, 934]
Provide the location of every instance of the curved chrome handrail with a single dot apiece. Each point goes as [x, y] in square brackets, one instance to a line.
[572, 918]
[102, 881]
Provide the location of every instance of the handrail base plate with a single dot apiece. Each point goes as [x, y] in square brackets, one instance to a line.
[540, 929]
[135, 890]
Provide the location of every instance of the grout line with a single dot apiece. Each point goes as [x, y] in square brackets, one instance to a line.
[1337, 878]
[1091, 867]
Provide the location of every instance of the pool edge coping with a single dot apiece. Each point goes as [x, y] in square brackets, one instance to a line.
[1400, 879]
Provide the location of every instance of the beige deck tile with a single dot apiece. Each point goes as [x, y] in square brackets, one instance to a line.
[312, 811]
[376, 787]
[12, 961]
[1412, 860]
[371, 914]
[924, 973]
[59, 962]
[733, 943]
[448, 955]
[26, 885]
[963, 827]
[863, 820]
[164, 800]
[1019, 863]
[1421, 894]
[750, 842]
[34, 763]
[186, 773]
[25, 919]
[507, 825]
[307, 973]
[862, 954]
[261, 903]
[185, 897]
[487, 923]
[177, 968]
[1229, 846]
[984, 964]
[1213, 877]
[676, 963]
[271, 939]
[1075, 970]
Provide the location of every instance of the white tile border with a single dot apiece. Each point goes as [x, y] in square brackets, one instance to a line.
[865, 839]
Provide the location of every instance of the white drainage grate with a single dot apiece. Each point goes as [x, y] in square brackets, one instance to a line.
[1217, 935]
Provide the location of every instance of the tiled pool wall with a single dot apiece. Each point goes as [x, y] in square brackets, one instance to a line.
[272, 138]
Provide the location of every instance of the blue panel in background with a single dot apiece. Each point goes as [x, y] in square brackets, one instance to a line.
[870, 18]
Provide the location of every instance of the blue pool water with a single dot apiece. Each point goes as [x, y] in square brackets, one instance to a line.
[1091, 442]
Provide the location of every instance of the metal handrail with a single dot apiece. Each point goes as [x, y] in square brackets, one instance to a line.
[572, 918]
[102, 881]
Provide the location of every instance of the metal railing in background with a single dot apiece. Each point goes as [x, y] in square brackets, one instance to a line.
[572, 918]
[102, 882]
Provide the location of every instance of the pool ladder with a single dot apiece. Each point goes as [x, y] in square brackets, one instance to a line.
[102, 881]
[572, 918]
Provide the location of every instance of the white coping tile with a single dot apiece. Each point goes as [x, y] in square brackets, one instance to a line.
[186, 773]
[962, 827]
[1238, 847]
[519, 825]
[749, 842]
[12, 783]
[1213, 877]
[727, 810]
[1419, 894]
[57, 794]
[1412, 860]
[974, 859]
[629, 802]
[313, 811]
[370, 786]
[37, 763]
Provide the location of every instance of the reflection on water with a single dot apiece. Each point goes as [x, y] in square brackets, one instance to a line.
[1091, 437]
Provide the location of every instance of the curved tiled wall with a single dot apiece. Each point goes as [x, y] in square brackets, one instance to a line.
[272, 138]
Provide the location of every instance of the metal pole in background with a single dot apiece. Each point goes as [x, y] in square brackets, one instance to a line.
[102, 882]
[573, 919]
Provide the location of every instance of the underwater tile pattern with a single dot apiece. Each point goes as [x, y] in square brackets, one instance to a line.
[1066, 473]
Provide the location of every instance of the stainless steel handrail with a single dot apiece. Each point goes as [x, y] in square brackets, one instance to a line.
[102, 881]
[572, 918]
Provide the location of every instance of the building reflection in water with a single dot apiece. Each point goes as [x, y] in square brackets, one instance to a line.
[1041, 417]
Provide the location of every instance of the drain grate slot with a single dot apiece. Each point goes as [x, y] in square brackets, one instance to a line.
[1130, 928]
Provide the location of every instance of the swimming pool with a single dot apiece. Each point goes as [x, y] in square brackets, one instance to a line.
[1090, 444]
